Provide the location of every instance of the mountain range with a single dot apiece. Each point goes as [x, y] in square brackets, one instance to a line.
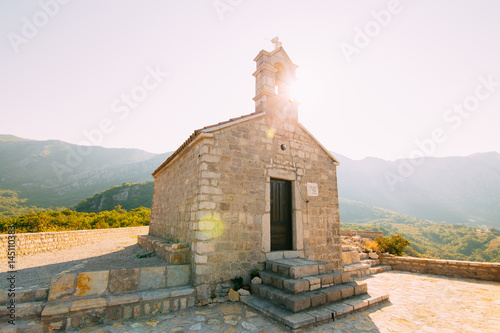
[49, 174]
[447, 189]
[59, 174]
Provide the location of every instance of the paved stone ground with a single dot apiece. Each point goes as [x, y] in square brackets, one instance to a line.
[419, 303]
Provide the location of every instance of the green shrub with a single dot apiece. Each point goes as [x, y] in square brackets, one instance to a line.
[254, 273]
[394, 244]
[237, 282]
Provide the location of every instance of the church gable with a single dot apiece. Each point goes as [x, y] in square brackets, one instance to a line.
[325, 151]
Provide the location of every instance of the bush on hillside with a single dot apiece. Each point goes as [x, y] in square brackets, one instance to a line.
[394, 244]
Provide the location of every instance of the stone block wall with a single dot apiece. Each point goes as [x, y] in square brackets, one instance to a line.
[174, 206]
[117, 281]
[31, 243]
[78, 300]
[363, 234]
[463, 269]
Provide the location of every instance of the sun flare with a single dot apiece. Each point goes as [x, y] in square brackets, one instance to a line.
[305, 89]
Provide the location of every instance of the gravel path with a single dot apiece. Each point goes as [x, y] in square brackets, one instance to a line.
[36, 270]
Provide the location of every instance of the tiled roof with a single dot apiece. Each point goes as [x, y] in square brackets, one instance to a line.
[193, 136]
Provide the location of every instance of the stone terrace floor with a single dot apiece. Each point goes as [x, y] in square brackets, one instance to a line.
[418, 303]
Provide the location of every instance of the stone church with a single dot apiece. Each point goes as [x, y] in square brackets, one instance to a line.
[254, 188]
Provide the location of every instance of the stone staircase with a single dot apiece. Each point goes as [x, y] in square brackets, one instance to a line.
[359, 263]
[300, 284]
[300, 292]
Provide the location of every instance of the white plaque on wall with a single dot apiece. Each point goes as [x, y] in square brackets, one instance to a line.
[312, 189]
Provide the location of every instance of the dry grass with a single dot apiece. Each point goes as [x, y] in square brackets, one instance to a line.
[371, 245]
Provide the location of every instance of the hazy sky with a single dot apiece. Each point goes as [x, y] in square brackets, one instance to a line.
[375, 77]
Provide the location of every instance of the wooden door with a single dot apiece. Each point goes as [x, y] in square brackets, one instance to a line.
[281, 215]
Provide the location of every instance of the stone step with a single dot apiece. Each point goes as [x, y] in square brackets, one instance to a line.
[363, 255]
[298, 267]
[358, 269]
[72, 314]
[356, 248]
[347, 248]
[350, 257]
[22, 325]
[380, 269]
[371, 262]
[309, 299]
[26, 310]
[308, 283]
[318, 315]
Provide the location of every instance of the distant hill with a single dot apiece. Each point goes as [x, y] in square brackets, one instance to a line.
[352, 211]
[11, 138]
[128, 196]
[450, 189]
[11, 205]
[58, 174]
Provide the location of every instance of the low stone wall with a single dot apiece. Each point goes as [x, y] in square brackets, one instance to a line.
[31, 243]
[362, 234]
[78, 300]
[463, 269]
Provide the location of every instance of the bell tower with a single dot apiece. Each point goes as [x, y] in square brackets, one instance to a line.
[273, 79]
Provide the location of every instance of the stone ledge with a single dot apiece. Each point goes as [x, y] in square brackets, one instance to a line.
[23, 296]
[462, 269]
[173, 253]
[64, 307]
[58, 315]
[23, 310]
[276, 255]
